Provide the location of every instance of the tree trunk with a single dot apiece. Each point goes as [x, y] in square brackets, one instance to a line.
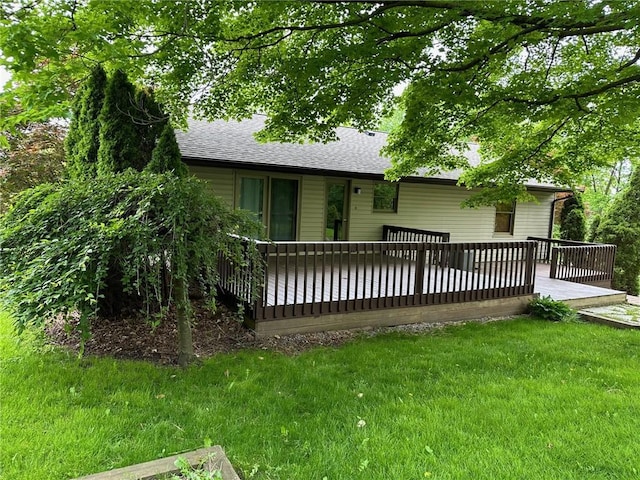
[183, 314]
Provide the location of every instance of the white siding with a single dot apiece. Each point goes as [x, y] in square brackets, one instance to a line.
[532, 219]
[429, 207]
[438, 207]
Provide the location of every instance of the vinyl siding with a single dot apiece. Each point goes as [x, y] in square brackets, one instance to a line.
[311, 215]
[429, 207]
[222, 181]
[437, 207]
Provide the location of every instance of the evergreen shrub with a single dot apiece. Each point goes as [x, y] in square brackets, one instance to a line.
[620, 225]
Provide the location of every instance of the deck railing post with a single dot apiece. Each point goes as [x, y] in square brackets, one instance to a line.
[421, 265]
[554, 262]
[531, 266]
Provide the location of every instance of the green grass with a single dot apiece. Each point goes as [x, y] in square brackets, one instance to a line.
[521, 399]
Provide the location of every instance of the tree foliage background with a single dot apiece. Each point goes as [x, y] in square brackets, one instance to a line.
[35, 155]
[620, 225]
[551, 89]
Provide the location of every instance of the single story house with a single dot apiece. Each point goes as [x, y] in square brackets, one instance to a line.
[337, 191]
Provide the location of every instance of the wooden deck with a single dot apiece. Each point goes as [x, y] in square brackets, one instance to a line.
[314, 286]
[577, 295]
[382, 277]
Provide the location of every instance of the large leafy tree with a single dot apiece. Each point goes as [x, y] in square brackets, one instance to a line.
[551, 89]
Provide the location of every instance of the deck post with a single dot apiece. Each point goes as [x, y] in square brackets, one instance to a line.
[421, 265]
[531, 266]
[554, 262]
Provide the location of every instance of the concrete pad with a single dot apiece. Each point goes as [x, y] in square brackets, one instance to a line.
[623, 315]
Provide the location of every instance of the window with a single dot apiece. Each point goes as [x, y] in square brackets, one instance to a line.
[505, 215]
[385, 197]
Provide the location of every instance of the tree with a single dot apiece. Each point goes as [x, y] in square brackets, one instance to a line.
[59, 242]
[82, 141]
[620, 225]
[166, 156]
[35, 155]
[573, 223]
[550, 89]
[119, 142]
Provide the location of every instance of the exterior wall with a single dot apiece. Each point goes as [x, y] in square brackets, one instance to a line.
[437, 207]
[429, 207]
[222, 181]
[311, 218]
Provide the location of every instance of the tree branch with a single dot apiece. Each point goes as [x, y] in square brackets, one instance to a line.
[589, 93]
[630, 62]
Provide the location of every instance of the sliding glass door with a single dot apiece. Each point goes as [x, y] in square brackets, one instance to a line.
[274, 201]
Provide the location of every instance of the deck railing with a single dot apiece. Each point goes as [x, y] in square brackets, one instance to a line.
[392, 233]
[579, 262]
[318, 278]
[592, 264]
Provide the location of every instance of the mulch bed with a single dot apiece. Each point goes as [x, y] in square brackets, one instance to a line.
[134, 337]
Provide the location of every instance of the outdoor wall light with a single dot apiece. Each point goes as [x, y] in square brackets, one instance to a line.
[357, 190]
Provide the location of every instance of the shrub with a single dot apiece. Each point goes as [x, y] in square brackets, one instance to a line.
[553, 310]
[142, 237]
[620, 225]
[572, 219]
[574, 227]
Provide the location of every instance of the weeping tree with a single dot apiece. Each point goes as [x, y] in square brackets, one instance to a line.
[620, 225]
[128, 232]
[60, 243]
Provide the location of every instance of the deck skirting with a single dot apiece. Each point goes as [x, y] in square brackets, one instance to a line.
[396, 316]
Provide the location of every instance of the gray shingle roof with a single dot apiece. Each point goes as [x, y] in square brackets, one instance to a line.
[233, 143]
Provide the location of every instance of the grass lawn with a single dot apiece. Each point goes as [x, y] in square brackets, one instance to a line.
[520, 399]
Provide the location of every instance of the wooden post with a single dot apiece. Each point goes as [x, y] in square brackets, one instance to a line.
[554, 262]
[421, 265]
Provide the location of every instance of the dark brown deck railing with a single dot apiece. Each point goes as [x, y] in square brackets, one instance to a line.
[578, 262]
[391, 233]
[588, 264]
[319, 278]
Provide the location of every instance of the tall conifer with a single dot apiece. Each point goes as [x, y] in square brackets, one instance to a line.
[82, 142]
[166, 156]
[620, 225]
[119, 142]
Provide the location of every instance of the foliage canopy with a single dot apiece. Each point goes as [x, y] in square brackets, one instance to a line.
[550, 89]
[35, 155]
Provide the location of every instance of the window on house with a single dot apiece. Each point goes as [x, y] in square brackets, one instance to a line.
[385, 197]
[505, 216]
